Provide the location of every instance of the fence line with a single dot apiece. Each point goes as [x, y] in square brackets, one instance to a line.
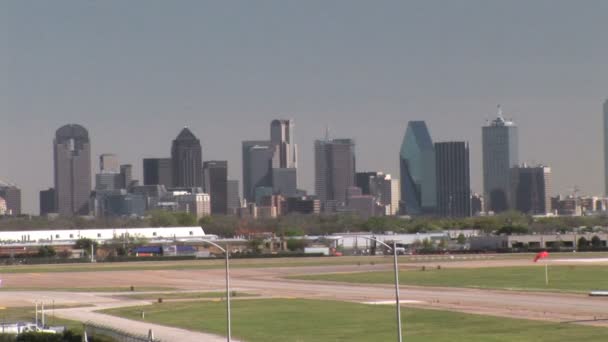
[93, 329]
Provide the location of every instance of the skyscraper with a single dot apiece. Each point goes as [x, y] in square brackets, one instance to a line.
[215, 176]
[334, 169]
[158, 171]
[187, 160]
[500, 153]
[72, 159]
[12, 196]
[47, 202]
[258, 162]
[126, 176]
[453, 179]
[363, 179]
[281, 136]
[108, 163]
[234, 200]
[417, 168]
[531, 189]
[606, 147]
[385, 190]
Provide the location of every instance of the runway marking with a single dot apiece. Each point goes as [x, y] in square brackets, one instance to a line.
[589, 260]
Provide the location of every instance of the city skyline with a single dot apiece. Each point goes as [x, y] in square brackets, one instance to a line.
[363, 70]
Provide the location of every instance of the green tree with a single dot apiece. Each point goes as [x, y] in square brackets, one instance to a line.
[582, 242]
[85, 244]
[185, 219]
[596, 241]
[46, 251]
[510, 230]
[296, 244]
[461, 239]
[162, 218]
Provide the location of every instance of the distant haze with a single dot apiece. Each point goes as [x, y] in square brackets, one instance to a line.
[135, 72]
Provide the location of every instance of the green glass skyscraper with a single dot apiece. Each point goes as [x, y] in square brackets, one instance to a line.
[417, 170]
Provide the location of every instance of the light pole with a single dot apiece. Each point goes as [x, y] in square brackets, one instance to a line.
[228, 326]
[394, 248]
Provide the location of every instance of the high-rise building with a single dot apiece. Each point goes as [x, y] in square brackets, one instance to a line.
[187, 160]
[282, 138]
[334, 170]
[108, 181]
[531, 189]
[362, 180]
[12, 197]
[3, 208]
[215, 177]
[500, 154]
[258, 162]
[386, 191]
[606, 147]
[453, 179]
[234, 200]
[47, 202]
[72, 159]
[108, 163]
[158, 171]
[284, 181]
[417, 168]
[126, 176]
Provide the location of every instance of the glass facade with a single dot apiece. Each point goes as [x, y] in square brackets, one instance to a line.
[417, 168]
[500, 154]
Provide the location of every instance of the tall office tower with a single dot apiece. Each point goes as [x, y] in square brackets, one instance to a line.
[606, 147]
[12, 195]
[417, 168]
[531, 189]
[126, 175]
[386, 191]
[362, 180]
[234, 200]
[281, 136]
[334, 170]
[186, 159]
[215, 178]
[500, 153]
[72, 157]
[258, 162]
[47, 202]
[453, 179]
[284, 172]
[108, 163]
[158, 171]
[284, 182]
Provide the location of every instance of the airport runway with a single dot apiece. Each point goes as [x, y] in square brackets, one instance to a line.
[270, 282]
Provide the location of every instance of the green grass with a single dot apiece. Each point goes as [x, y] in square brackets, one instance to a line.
[236, 263]
[15, 314]
[187, 295]
[561, 278]
[275, 320]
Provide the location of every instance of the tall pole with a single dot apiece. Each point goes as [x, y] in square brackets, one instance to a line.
[546, 274]
[229, 329]
[399, 333]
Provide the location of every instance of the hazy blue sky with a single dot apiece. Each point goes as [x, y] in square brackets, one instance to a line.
[135, 72]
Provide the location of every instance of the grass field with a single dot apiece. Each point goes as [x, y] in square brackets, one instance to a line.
[214, 264]
[187, 295]
[561, 278]
[18, 314]
[320, 321]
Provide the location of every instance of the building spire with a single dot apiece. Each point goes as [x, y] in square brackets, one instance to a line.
[326, 132]
[500, 116]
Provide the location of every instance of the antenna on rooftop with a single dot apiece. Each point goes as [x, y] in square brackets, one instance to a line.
[500, 112]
